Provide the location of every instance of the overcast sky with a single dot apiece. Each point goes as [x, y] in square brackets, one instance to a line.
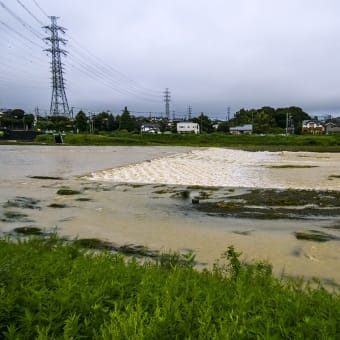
[210, 54]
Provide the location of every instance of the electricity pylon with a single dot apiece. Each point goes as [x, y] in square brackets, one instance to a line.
[59, 105]
[167, 102]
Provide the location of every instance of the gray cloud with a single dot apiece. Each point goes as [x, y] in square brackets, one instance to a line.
[211, 55]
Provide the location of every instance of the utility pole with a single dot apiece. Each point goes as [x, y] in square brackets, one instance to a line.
[228, 111]
[59, 104]
[189, 112]
[289, 125]
[167, 102]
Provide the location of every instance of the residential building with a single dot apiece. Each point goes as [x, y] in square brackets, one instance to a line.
[332, 127]
[188, 127]
[242, 129]
[149, 128]
[312, 127]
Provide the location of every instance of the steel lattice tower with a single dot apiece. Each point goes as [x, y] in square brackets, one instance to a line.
[59, 104]
[189, 112]
[167, 102]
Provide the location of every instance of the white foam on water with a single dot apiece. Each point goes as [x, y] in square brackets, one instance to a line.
[206, 167]
[231, 168]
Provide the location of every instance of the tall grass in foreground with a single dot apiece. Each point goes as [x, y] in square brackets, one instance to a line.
[50, 290]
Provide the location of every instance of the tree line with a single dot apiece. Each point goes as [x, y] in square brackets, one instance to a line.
[264, 120]
[271, 120]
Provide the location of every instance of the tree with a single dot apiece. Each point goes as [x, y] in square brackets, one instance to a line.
[113, 123]
[101, 121]
[223, 127]
[126, 121]
[28, 121]
[243, 117]
[204, 123]
[295, 115]
[81, 121]
[17, 113]
[263, 122]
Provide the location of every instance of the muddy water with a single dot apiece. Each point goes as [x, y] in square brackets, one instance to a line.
[147, 214]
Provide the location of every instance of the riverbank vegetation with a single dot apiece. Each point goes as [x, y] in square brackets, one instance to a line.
[274, 204]
[50, 289]
[321, 143]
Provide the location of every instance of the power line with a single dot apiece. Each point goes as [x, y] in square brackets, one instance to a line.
[30, 13]
[108, 69]
[118, 77]
[95, 72]
[84, 60]
[27, 26]
[19, 34]
[42, 11]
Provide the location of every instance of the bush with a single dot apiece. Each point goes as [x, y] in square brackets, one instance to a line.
[49, 290]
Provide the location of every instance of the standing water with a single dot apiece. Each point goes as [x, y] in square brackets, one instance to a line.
[129, 195]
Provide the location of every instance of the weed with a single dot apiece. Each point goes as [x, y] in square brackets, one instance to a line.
[183, 194]
[201, 187]
[50, 289]
[315, 235]
[229, 204]
[66, 192]
[12, 216]
[22, 202]
[47, 177]
[92, 243]
[28, 231]
[57, 205]
[244, 233]
[83, 199]
[203, 195]
[276, 204]
[292, 166]
[333, 176]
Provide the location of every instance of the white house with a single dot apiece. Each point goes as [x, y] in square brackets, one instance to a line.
[149, 128]
[313, 127]
[188, 127]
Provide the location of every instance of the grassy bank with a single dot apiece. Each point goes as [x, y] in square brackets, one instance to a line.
[251, 142]
[50, 290]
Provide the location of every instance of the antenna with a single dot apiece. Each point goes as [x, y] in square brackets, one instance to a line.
[167, 102]
[59, 104]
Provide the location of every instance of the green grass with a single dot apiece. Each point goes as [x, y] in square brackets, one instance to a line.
[250, 142]
[53, 290]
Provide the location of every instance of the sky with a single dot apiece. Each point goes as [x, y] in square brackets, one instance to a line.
[211, 55]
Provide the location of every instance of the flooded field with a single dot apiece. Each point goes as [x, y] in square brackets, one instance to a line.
[143, 196]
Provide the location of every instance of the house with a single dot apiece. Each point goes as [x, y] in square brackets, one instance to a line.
[188, 127]
[312, 127]
[331, 127]
[243, 129]
[149, 128]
